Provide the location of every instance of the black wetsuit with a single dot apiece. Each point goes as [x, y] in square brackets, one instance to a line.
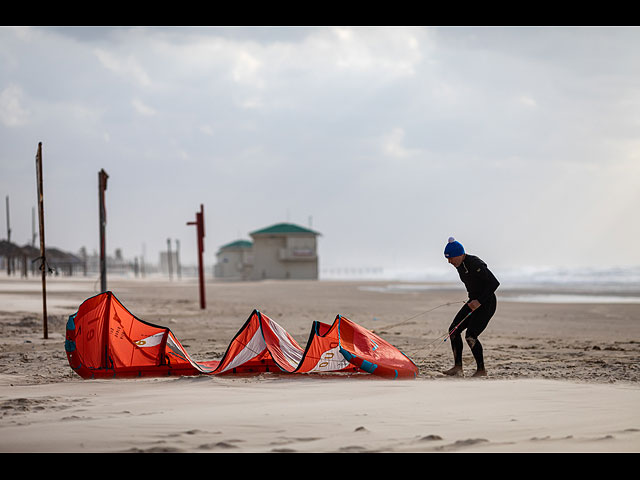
[481, 285]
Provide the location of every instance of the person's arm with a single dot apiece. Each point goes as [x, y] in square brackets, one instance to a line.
[488, 280]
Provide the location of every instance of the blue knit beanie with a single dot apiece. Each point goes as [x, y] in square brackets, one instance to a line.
[453, 248]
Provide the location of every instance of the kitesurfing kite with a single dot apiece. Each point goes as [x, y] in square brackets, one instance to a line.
[105, 340]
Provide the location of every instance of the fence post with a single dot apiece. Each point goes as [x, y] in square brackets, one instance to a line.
[102, 186]
[199, 223]
[43, 265]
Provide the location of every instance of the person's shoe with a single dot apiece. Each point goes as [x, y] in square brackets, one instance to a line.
[456, 371]
[481, 372]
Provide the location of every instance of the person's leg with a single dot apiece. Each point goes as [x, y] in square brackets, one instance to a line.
[476, 349]
[477, 323]
[456, 339]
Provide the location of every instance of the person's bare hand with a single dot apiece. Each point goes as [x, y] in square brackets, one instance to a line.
[473, 304]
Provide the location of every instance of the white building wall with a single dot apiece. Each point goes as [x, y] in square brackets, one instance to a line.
[233, 264]
[284, 257]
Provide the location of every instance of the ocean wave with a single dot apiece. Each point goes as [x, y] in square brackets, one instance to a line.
[609, 280]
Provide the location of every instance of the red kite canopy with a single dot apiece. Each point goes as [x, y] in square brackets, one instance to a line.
[105, 340]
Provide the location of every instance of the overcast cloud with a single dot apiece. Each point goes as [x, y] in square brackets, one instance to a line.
[520, 142]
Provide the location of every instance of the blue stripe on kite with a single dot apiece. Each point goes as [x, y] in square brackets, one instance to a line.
[346, 354]
[70, 323]
[368, 366]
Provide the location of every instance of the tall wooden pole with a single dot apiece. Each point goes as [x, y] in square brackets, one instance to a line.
[199, 223]
[144, 252]
[169, 261]
[33, 227]
[178, 268]
[102, 186]
[43, 265]
[9, 256]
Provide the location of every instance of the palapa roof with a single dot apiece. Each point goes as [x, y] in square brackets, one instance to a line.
[54, 255]
[8, 249]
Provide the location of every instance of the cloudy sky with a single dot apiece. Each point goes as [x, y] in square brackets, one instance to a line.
[523, 143]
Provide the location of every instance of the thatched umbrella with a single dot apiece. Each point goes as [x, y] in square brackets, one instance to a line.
[11, 252]
[56, 259]
[9, 249]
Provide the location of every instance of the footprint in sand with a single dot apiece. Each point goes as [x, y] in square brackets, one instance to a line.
[288, 440]
[224, 445]
[75, 417]
[462, 443]
[154, 450]
[16, 406]
[352, 448]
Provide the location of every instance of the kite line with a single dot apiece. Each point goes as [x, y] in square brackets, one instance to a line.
[419, 314]
[442, 338]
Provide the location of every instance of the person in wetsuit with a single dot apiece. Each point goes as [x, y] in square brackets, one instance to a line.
[481, 285]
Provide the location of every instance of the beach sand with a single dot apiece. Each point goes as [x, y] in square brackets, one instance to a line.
[563, 377]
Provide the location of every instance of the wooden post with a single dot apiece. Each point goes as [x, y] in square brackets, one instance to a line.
[102, 186]
[144, 250]
[33, 235]
[199, 223]
[33, 226]
[9, 255]
[43, 265]
[136, 267]
[169, 261]
[178, 268]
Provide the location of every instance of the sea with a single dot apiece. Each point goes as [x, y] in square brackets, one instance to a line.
[548, 284]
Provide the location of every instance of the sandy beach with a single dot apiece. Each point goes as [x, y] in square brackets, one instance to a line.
[563, 376]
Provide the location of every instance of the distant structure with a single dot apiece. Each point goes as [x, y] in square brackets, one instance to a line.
[281, 251]
[168, 262]
[284, 251]
[235, 260]
[25, 260]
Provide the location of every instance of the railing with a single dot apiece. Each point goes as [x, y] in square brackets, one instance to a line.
[297, 254]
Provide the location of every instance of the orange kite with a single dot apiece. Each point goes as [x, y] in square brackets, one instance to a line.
[105, 340]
